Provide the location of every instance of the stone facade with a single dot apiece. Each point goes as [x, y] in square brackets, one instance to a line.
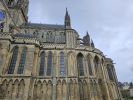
[50, 62]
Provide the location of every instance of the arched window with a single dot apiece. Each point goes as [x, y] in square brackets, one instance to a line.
[62, 64]
[110, 72]
[22, 61]
[96, 63]
[42, 64]
[89, 66]
[49, 64]
[80, 64]
[13, 61]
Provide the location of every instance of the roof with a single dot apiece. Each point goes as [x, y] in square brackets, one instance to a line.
[24, 35]
[46, 26]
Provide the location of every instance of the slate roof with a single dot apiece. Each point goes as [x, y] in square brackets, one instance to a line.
[24, 35]
[45, 26]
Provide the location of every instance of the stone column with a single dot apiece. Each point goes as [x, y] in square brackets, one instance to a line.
[35, 63]
[26, 89]
[29, 63]
[3, 59]
[64, 91]
[15, 91]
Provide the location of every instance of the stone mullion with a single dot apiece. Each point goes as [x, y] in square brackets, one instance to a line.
[32, 85]
[104, 81]
[59, 92]
[29, 62]
[9, 91]
[15, 91]
[44, 91]
[21, 91]
[88, 90]
[110, 91]
[26, 89]
[99, 92]
[64, 92]
[49, 92]
[18, 60]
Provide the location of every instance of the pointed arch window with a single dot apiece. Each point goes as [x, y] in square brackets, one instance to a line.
[89, 66]
[110, 72]
[96, 63]
[42, 64]
[62, 64]
[22, 61]
[49, 64]
[80, 64]
[13, 61]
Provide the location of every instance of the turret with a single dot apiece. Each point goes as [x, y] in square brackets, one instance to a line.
[86, 39]
[19, 5]
[67, 20]
[92, 44]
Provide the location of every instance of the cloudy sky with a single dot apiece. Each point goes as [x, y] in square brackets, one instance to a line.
[109, 22]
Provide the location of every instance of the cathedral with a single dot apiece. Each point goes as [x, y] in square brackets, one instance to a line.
[50, 61]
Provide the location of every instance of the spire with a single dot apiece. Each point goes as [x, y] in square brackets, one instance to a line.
[92, 44]
[67, 20]
[87, 34]
[86, 39]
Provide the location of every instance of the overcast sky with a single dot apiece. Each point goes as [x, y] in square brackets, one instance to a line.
[109, 22]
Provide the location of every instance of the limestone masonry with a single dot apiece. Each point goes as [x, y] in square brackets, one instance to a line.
[49, 61]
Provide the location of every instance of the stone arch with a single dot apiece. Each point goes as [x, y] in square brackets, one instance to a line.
[64, 90]
[42, 51]
[9, 89]
[3, 89]
[85, 90]
[44, 90]
[96, 62]
[39, 87]
[15, 89]
[12, 49]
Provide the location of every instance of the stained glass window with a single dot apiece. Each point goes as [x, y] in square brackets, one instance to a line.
[13, 61]
[2, 15]
[110, 72]
[80, 64]
[22, 61]
[42, 64]
[49, 64]
[62, 64]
